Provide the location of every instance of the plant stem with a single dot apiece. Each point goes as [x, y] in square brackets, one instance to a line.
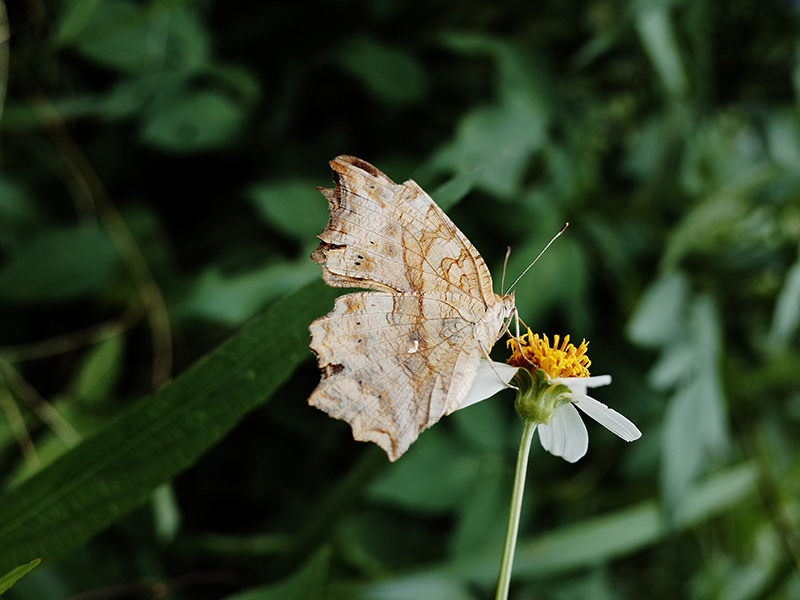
[504, 579]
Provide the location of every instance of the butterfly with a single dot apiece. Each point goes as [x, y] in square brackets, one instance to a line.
[398, 358]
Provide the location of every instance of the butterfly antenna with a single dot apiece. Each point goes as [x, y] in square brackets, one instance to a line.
[555, 237]
[505, 264]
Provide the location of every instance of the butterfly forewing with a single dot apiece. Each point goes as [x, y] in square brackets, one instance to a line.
[393, 237]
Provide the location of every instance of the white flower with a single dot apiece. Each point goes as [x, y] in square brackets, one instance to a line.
[492, 377]
[553, 381]
[565, 435]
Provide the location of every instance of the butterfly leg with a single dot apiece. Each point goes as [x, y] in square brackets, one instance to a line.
[491, 365]
[516, 337]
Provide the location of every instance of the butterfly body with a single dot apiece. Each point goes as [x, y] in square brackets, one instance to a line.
[396, 359]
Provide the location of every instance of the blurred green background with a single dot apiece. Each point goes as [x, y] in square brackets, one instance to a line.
[158, 161]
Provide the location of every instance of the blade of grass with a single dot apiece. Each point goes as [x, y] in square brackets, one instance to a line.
[9, 579]
[115, 471]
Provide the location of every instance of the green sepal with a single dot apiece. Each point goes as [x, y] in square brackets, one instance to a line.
[538, 398]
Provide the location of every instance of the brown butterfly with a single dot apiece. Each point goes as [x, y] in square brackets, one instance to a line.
[397, 359]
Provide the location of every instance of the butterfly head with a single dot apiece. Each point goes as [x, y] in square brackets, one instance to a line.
[509, 305]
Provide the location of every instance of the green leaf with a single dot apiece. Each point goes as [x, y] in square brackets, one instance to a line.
[695, 432]
[304, 584]
[422, 481]
[415, 586]
[17, 208]
[4, 58]
[76, 16]
[135, 39]
[606, 537]
[188, 47]
[661, 314]
[100, 371]
[59, 265]
[701, 230]
[232, 300]
[453, 190]
[784, 139]
[559, 279]
[658, 38]
[294, 207]
[673, 366]
[786, 318]
[9, 579]
[493, 144]
[795, 72]
[716, 161]
[519, 71]
[118, 37]
[192, 121]
[483, 510]
[392, 75]
[166, 513]
[484, 425]
[597, 540]
[116, 470]
[689, 332]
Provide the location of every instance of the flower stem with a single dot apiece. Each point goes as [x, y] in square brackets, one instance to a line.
[504, 579]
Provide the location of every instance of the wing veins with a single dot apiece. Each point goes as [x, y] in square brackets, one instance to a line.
[421, 353]
[461, 240]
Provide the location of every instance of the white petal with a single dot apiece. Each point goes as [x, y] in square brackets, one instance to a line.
[609, 418]
[565, 435]
[584, 382]
[492, 377]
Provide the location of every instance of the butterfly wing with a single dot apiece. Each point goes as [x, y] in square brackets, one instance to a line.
[393, 237]
[396, 360]
[393, 364]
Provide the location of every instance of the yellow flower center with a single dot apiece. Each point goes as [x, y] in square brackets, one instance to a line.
[565, 360]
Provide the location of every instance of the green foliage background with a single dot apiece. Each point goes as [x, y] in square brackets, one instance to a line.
[158, 161]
